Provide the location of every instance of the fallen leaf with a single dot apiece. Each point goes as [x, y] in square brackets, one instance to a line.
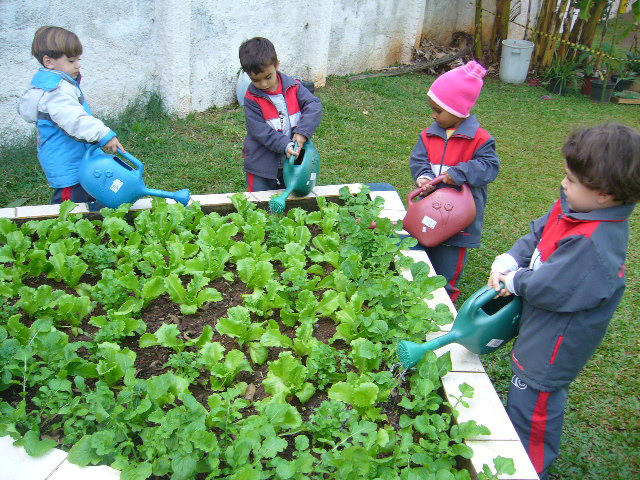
[251, 391]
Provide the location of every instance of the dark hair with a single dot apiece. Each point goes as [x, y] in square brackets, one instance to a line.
[55, 42]
[606, 158]
[256, 54]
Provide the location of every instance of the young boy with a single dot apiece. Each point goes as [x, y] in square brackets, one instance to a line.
[457, 146]
[56, 104]
[279, 112]
[569, 271]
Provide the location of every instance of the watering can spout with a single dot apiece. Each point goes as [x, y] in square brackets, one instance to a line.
[181, 196]
[410, 353]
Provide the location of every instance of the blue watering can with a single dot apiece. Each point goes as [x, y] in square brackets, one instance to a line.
[113, 181]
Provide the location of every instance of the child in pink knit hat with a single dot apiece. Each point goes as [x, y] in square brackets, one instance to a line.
[457, 146]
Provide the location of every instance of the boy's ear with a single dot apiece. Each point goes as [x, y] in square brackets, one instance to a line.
[46, 61]
[607, 200]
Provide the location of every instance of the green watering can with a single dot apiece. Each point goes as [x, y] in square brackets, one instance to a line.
[300, 175]
[483, 324]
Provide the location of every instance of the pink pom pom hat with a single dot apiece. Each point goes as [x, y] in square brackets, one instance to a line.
[457, 90]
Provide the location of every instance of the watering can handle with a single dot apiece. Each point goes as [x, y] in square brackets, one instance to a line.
[133, 160]
[484, 297]
[421, 189]
[126, 155]
[291, 158]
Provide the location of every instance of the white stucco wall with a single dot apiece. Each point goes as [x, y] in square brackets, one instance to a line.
[117, 61]
[188, 49]
[444, 17]
[371, 34]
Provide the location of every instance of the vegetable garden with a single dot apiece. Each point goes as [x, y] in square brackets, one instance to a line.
[174, 343]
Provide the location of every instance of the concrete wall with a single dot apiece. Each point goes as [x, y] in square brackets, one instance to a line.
[188, 49]
[443, 18]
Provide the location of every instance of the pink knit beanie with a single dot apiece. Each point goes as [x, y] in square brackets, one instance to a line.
[457, 90]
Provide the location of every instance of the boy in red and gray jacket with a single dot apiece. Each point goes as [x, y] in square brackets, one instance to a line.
[457, 146]
[279, 112]
[570, 273]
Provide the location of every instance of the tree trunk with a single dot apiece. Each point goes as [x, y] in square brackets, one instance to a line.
[554, 29]
[478, 39]
[500, 27]
[595, 14]
[576, 31]
[566, 31]
[542, 27]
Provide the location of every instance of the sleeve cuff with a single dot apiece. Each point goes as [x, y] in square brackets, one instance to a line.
[289, 145]
[509, 282]
[104, 140]
[504, 263]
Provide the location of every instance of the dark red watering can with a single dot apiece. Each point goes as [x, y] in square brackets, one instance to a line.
[440, 215]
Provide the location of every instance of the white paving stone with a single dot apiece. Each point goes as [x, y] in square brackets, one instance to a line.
[394, 216]
[8, 213]
[69, 471]
[141, 204]
[334, 190]
[37, 211]
[485, 407]
[391, 198]
[265, 195]
[485, 451]
[462, 359]
[18, 465]
[212, 199]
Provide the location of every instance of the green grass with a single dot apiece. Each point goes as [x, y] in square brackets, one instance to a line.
[368, 132]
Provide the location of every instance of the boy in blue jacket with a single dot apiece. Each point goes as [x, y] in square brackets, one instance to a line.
[279, 111]
[56, 104]
[570, 272]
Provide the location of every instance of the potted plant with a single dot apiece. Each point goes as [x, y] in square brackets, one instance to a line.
[588, 73]
[563, 74]
[633, 67]
[602, 88]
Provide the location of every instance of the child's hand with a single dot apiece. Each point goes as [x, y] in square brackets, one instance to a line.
[494, 282]
[422, 183]
[113, 145]
[448, 180]
[301, 139]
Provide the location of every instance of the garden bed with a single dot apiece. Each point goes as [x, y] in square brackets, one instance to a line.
[238, 376]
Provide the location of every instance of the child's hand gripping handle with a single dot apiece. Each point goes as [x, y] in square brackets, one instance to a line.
[292, 158]
[421, 190]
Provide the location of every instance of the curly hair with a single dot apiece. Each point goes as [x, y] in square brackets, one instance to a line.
[606, 158]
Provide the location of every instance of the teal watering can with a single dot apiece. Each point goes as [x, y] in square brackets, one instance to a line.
[300, 175]
[113, 181]
[483, 324]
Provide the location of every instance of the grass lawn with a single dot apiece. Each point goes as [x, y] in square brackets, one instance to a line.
[367, 134]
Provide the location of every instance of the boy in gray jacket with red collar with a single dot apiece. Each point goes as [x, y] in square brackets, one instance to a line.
[570, 272]
[279, 112]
